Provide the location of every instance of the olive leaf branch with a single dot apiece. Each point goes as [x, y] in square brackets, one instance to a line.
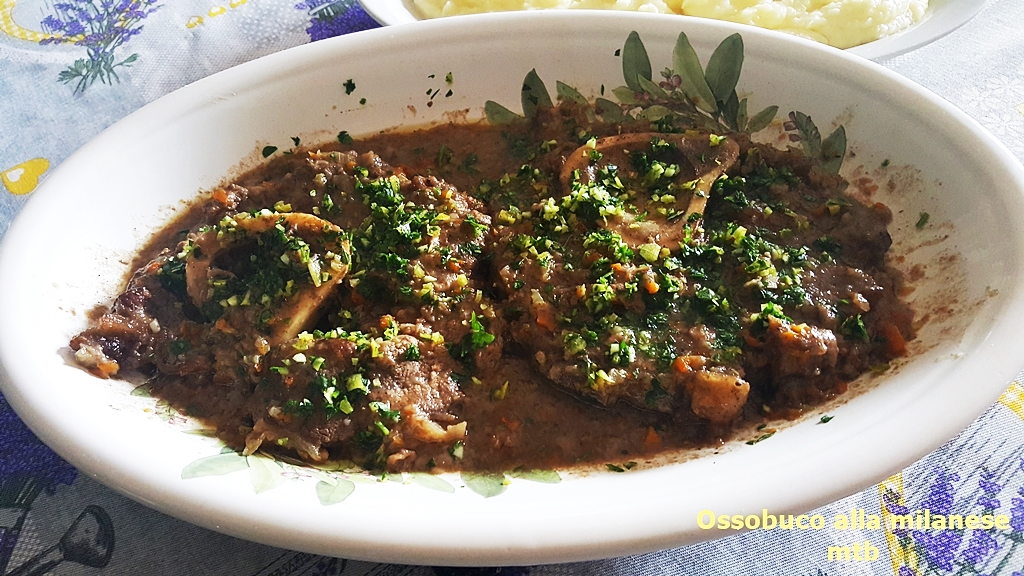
[687, 96]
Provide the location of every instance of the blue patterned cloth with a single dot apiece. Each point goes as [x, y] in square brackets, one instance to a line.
[70, 68]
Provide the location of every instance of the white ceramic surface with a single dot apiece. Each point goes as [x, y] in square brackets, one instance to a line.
[942, 17]
[70, 247]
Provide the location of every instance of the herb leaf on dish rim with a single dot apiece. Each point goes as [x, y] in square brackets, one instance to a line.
[652, 89]
[691, 96]
[217, 465]
[810, 137]
[686, 64]
[543, 476]
[833, 149]
[486, 485]
[607, 110]
[329, 494]
[635, 62]
[534, 94]
[829, 152]
[761, 120]
[264, 473]
[566, 92]
[723, 69]
[432, 481]
[498, 115]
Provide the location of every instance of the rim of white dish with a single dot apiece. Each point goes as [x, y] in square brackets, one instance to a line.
[569, 526]
[941, 18]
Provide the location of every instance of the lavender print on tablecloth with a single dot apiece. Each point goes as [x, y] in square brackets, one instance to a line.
[329, 18]
[960, 551]
[27, 468]
[101, 27]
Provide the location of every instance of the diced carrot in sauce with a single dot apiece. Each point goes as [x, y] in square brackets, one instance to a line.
[895, 342]
[679, 365]
[221, 195]
[652, 441]
[546, 317]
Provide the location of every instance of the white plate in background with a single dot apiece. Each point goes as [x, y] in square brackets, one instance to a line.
[941, 18]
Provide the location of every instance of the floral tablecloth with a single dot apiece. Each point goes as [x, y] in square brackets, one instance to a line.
[70, 68]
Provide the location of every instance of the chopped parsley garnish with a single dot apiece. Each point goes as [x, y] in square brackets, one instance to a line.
[302, 408]
[172, 276]
[617, 468]
[477, 226]
[477, 339]
[444, 156]
[828, 244]
[761, 438]
[853, 327]
[469, 164]
[179, 347]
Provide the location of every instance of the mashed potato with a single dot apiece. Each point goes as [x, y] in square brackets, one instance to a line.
[840, 23]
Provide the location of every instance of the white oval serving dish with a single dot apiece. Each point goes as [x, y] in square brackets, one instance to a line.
[70, 247]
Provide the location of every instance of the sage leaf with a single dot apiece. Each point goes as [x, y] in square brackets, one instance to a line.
[731, 110]
[635, 62]
[569, 93]
[329, 493]
[657, 92]
[264, 473]
[486, 485]
[655, 113]
[607, 110]
[625, 94]
[498, 115]
[534, 95]
[433, 482]
[687, 66]
[545, 476]
[142, 391]
[741, 116]
[723, 70]
[214, 466]
[761, 120]
[833, 149]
